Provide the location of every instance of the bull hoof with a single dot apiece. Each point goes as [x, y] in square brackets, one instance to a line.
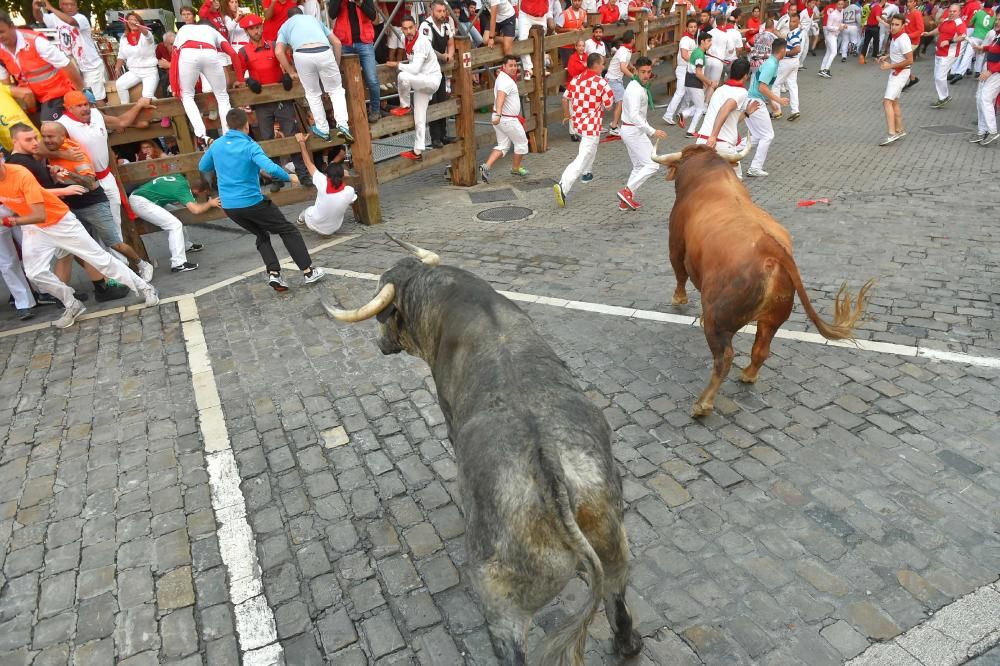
[679, 300]
[701, 410]
[629, 647]
[747, 378]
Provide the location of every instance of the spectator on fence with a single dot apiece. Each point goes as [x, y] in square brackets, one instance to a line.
[532, 13]
[238, 36]
[196, 50]
[69, 188]
[186, 16]
[573, 18]
[352, 24]
[263, 68]
[508, 123]
[503, 24]
[275, 15]
[753, 27]
[209, 14]
[149, 201]
[164, 54]
[75, 39]
[312, 8]
[577, 61]
[148, 150]
[137, 51]
[333, 197]
[317, 67]
[31, 60]
[596, 42]
[421, 76]
[237, 161]
[440, 29]
[610, 14]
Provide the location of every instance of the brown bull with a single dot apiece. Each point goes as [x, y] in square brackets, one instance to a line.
[740, 259]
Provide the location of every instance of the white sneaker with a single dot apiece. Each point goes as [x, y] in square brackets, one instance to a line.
[668, 120]
[614, 131]
[145, 270]
[316, 275]
[301, 219]
[756, 173]
[70, 314]
[149, 293]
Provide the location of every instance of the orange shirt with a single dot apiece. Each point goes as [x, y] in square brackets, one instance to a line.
[82, 167]
[19, 190]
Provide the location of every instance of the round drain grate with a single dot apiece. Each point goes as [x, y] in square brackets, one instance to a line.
[505, 214]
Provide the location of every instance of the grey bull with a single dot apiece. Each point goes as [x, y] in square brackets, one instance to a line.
[540, 490]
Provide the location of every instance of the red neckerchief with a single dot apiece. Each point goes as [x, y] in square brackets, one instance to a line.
[72, 117]
[597, 41]
[408, 44]
[629, 45]
[724, 27]
[688, 34]
[330, 189]
[733, 82]
[133, 37]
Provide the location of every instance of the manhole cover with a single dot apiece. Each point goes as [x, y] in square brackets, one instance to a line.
[492, 196]
[946, 129]
[505, 214]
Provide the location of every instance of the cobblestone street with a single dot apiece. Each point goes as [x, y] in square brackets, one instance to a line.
[232, 477]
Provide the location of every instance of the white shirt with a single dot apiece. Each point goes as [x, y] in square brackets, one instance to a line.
[198, 32]
[634, 107]
[852, 15]
[899, 46]
[805, 19]
[327, 214]
[735, 42]
[730, 130]
[505, 10]
[423, 60]
[589, 6]
[687, 44]
[555, 9]
[141, 55]
[889, 10]
[835, 20]
[237, 35]
[512, 101]
[622, 55]
[48, 51]
[93, 136]
[781, 26]
[76, 40]
[720, 44]
[596, 47]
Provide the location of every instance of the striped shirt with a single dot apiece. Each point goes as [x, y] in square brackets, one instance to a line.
[794, 39]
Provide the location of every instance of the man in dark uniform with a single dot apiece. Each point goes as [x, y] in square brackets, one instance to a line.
[263, 68]
[441, 30]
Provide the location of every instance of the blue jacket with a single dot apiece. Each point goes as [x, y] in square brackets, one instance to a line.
[238, 160]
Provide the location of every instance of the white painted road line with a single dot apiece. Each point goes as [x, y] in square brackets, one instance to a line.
[963, 629]
[255, 624]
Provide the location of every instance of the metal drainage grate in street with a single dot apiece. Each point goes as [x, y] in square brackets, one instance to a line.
[946, 129]
[492, 196]
[505, 214]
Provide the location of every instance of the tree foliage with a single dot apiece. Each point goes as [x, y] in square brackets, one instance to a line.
[93, 8]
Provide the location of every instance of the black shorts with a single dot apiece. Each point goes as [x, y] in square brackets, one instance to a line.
[507, 28]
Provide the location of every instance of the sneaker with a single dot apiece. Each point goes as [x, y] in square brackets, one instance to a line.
[689, 135]
[315, 275]
[801, 67]
[183, 268]
[668, 120]
[69, 315]
[754, 172]
[111, 292]
[410, 155]
[900, 134]
[575, 138]
[195, 247]
[320, 133]
[889, 139]
[623, 206]
[795, 116]
[47, 299]
[145, 270]
[374, 117]
[149, 293]
[400, 111]
[24, 314]
[345, 133]
[990, 138]
[625, 196]
[301, 219]
[976, 138]
[912, 82]
[777, 116]
[519, 171]
[586, 178]
[484, 173]
[277, 283]
[825, 74]
[843, 60]
[560, 195]
[614, 131]
[941, 103]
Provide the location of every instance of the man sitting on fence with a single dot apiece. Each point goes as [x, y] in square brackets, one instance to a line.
[422, 76]
[532, 13]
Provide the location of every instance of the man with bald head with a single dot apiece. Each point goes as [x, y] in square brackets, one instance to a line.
[949, 33]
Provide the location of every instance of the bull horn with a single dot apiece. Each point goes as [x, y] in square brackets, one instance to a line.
[425, 256]
[668, 159]
[381, 301]
[733, 158]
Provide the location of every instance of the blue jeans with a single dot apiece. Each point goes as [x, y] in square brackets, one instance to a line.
[369, 68]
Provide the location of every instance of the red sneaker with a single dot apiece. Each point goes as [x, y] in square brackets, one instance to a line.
[410, 155]
[400, 111]
[623, 206]
[625, 196]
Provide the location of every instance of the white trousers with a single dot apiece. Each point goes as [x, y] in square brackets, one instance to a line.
[640, 150]
[722, 147]
[788, 76]
[761, 133]
[41, 244]
[582, 164]
[675, 102]
[831, 49]
[162, 218]
[942, 67]
[149, 77]
[964, 61]
[986, 95]
[319, 72]
[110, 187]
[12, 273]
[423, 87]
[525, 22]
[713, 69]
[694, 108]
[193, 64]
[509, 133]
[849, 36]
[806, 41]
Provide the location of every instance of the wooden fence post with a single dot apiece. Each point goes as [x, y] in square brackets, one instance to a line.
[364, 162]
[130, 234]
[463, 168]
[540, 133]
[641, 34]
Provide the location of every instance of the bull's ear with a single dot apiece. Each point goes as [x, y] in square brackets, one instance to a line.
[671, 172]
[386, 314]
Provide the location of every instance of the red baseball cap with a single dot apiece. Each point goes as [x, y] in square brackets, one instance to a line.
[250, 20]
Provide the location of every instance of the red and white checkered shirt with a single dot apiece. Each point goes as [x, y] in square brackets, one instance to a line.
[589, 97]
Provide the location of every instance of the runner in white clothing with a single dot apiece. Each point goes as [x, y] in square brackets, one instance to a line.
[422, 76]
[618, 68]
[831, 32]
[636, 131]
[729, 103]
[898, 63]
[686, 46]
[507, 121]
[333, 197]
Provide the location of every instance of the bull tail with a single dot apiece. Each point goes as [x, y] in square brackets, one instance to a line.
[565, 646]
[847, 312]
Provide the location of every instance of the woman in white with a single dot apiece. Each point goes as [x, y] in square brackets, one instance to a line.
[138, 51]
[238, 37]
